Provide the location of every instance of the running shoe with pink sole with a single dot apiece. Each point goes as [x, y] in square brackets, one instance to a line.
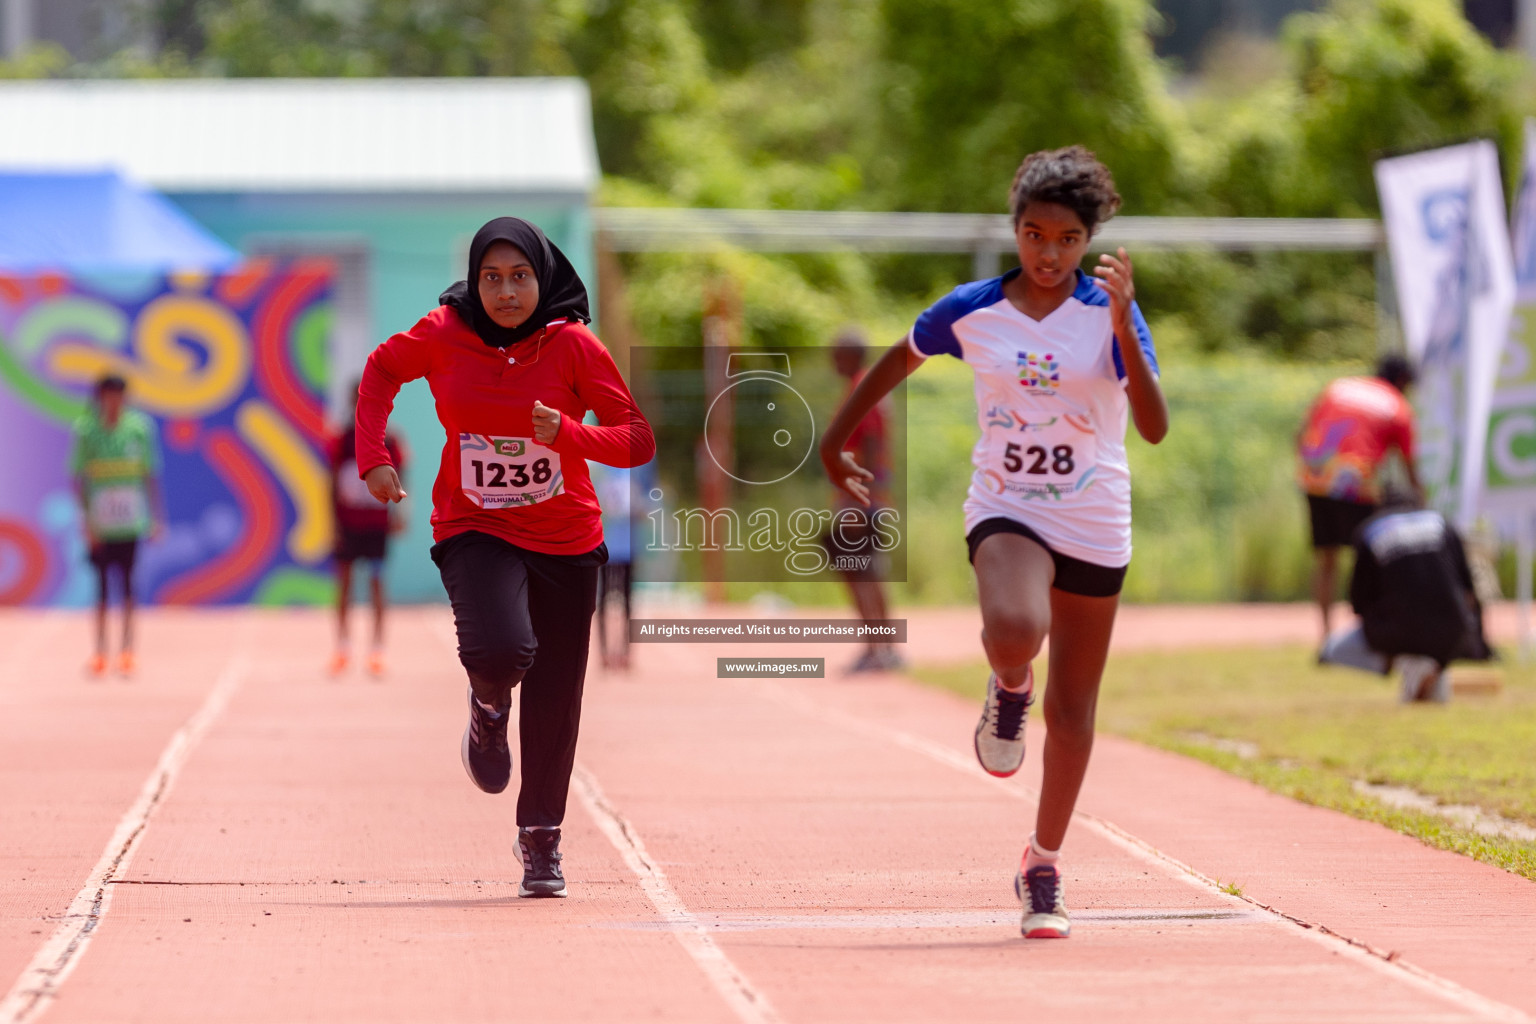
[1045, 908]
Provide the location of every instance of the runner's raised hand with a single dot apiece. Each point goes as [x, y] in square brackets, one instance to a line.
[1115, 278]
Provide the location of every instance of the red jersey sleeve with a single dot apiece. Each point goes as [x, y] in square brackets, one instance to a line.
[396, 448]
[622, 437]
[404, 357]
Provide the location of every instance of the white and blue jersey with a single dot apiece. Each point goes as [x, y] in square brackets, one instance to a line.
[1051, 404]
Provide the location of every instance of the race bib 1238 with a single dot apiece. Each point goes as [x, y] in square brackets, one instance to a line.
[502, 472]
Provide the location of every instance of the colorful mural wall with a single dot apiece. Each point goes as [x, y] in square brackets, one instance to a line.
[233, 370]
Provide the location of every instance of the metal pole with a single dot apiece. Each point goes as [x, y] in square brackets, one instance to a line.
[1388, 338]
[984, 263]
[1523, 551]
[17, 27]
[1525, 27]
[722, 332]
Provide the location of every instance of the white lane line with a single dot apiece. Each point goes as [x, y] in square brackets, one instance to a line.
[748, 1004]
[38, 985]
[937, 919]
[1382, 961]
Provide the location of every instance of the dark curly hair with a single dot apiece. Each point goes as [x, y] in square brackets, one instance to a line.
[1072, 177]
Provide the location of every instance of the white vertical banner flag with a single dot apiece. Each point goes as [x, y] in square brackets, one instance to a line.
[1451, 261]
[1512, 426]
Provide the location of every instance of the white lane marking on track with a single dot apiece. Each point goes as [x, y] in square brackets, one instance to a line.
[1361, 952]
[885, 921]
[748, 1004]
[38, 985]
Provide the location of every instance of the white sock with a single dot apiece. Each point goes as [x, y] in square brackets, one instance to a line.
[1027, 688]
[1035, 857]
[489, 709]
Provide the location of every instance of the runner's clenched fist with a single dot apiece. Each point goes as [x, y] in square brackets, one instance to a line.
[546, 422]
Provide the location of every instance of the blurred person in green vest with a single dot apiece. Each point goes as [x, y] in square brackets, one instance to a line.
[115, 461]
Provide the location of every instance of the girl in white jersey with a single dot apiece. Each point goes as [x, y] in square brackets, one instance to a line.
[1060, 358]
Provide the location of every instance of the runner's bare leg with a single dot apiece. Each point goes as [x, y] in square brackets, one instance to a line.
[1325, 576]
[1013, 581]
[127, 616]
[343, 600]
[101, 612]
[869, 601]
[1080, 633]
[378, 610]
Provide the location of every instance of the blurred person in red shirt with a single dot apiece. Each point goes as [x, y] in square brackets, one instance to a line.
[363, 526]
[1348, 433]
[850, 541]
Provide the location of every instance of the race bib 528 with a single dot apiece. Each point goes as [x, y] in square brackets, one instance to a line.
[1053, 459]
[501, 472]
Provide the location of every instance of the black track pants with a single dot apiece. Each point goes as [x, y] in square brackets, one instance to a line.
[525, 616]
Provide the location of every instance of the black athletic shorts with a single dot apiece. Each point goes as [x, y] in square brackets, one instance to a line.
[1334, 521]
[115, 552]
[361, 545]
[1073, 575]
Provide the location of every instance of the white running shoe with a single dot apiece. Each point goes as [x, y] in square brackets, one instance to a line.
[1423, 679]
[1045, 906]
[1000, 733]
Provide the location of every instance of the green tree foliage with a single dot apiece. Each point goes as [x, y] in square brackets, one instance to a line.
[928, 105]
[973, 87]
[777, 134]
[931, 105]
[370, 37]
[44, 61]
[1362, 79]
[1366, 79]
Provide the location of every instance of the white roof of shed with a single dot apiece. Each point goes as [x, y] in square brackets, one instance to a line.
[309, 134]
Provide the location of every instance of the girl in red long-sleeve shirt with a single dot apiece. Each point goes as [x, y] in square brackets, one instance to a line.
[518, 530]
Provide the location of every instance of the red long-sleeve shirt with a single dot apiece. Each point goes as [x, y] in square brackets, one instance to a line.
[479, 391]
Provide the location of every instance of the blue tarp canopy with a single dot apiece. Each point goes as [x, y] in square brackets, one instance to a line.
[98, 222]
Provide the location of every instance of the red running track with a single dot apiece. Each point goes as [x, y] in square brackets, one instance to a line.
[233, 837]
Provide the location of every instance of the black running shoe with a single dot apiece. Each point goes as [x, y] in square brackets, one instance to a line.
[487, 758]
[540, 848]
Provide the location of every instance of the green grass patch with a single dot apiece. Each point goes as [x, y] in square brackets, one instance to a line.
[1315, 731]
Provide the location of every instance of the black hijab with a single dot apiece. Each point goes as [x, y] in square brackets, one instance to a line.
[561, 293]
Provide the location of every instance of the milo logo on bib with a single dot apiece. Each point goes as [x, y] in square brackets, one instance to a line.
[503, 472]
